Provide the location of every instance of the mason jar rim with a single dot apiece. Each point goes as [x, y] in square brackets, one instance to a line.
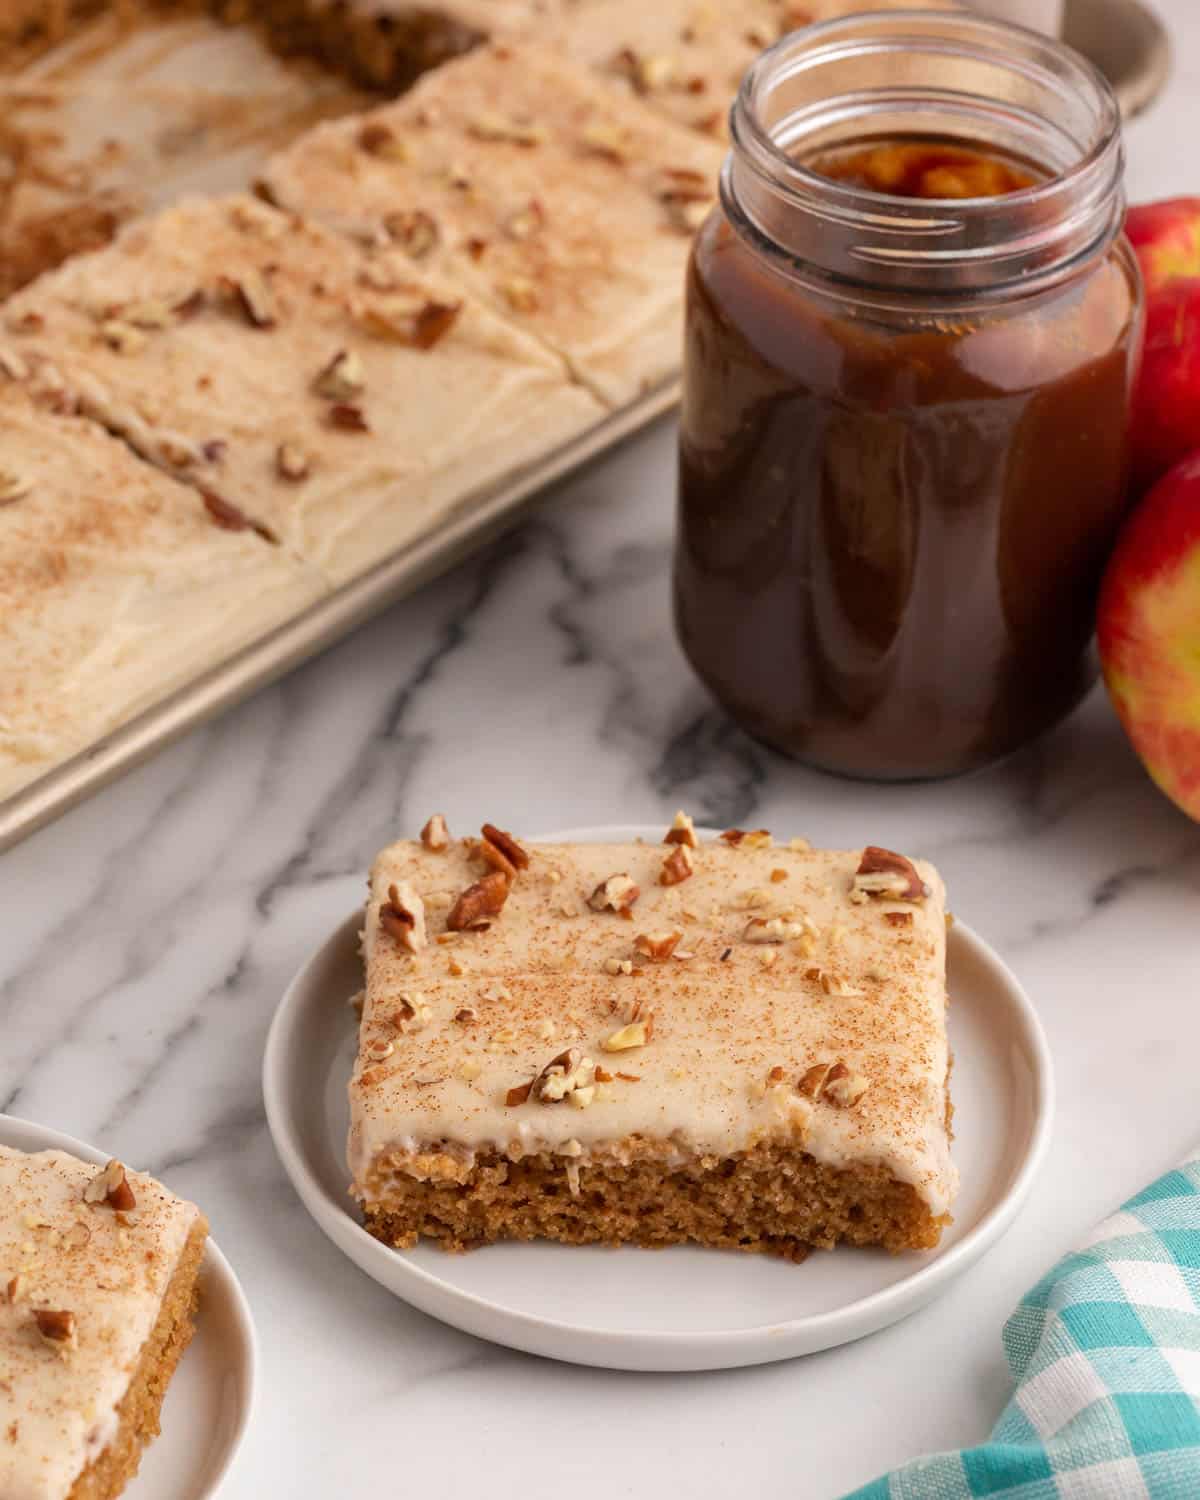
[1031, 233]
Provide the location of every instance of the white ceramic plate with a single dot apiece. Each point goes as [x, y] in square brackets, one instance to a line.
[683, 1308]
[209, 1402]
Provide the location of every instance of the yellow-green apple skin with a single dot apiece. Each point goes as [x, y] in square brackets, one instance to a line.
[1148, 629]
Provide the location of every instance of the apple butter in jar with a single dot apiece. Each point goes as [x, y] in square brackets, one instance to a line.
[912, 330]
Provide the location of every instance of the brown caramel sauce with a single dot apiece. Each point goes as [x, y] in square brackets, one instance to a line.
[926, 167]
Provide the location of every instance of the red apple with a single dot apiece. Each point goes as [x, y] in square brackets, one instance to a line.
[1149, 632]
[1166, 416]
[1166, 237]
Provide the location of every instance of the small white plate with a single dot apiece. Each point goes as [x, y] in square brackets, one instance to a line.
[684, 1308]
[208, 1405]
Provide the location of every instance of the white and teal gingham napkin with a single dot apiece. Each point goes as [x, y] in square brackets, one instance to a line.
[1105, 1352]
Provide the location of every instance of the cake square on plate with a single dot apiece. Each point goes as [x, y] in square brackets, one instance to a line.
[117, 584]
[98, 1288]
[562, 201]
[730, 1042]
[337, 399]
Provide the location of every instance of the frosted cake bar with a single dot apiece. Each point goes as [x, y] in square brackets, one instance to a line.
[735, 1043]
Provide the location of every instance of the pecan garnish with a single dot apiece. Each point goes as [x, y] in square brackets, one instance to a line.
[292, 463]
[415, 232]
[111, 1186]
[253, 295]
[883, 874]
[342, 378]
[57, 1327]
[402, 917]
[13, 487]
[435, 835]
[478, 902]
[563, 1076]
[516, 856]
[656, 946]
[772, 930]
[636, 1034]
[682, 831]
[617, 893]
[519, 1095]
[378, 139]
[678, 866]
[833, 1083]
[898, 918]
[348, 418]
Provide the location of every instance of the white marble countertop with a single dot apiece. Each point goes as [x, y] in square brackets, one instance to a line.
[146, 938]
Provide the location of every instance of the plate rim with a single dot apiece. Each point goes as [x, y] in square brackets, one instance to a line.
[867, 1314]
[215, 1263]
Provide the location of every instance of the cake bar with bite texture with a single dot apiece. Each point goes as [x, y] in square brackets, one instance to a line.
[99, 1272]
[730, 1042]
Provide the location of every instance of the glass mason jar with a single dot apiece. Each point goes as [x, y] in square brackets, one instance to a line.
[905, 417]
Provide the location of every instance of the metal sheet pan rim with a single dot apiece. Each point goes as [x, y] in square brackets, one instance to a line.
[475, 519]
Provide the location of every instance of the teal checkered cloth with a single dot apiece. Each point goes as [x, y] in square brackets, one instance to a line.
[1105, 1351]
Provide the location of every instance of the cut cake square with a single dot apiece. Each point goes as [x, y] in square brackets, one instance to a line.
[338, 399]
[733, 1043]
[559, 199]
[98, 1289]
[117, 584]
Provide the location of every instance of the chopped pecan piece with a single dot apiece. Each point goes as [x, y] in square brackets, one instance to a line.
[682, 831]
[898, 918]
[292, 463]
[253, 295]
[678, 866]
[636, 1034]
[378, 139]
[885, 875]
[435, 835]
[342, 378]
[111, 1186]
[563, 1076]
[519, 1095]
[489, 126]
[617, 893]
[478, 902]
[771, 930]
[516, 856]
[13, 487]
[402, 917]
[606, 141]
[57, 1328]
[656, 946]
[415, 232]
[348, 418]
[833, 1083]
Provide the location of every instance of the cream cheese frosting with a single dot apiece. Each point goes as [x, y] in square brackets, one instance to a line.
[58, 1407]
[779, 964]
[339, 399]
[117, 585]
[563, 202]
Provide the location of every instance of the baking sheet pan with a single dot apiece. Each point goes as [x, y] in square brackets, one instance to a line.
[474, 521]
[122, 118]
